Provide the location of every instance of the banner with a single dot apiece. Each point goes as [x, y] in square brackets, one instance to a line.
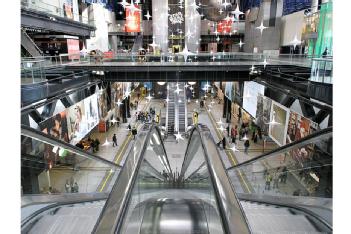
[251, 91]
[263, 112]
[224, 26]
[73, 48]
[132, 20]
[56, 127]
[278, 123]
[91, 111]
[229, 90]
[102, 103]
[299, 127]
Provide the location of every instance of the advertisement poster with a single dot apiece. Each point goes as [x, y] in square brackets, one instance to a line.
[224, 26]
[278, 123]
[77, 124]
[73, 48]
[91, 111]
[251, 91]
[263, 112]
[299, 127]
[132, 20]
[56, 127]
[68, 9]
[102, 103]
[229, 90]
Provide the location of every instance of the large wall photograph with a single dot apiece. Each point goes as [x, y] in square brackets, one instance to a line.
[263, 112]
[251, 91]
[77, 124]
[280, 117]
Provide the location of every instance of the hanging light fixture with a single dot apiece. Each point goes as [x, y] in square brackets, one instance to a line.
[161, 83]
[191, 82]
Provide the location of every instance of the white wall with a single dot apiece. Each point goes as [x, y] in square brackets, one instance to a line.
[291, 25]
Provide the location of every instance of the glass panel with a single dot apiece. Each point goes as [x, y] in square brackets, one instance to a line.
[163, 201]
[48, 169]
[305, 170]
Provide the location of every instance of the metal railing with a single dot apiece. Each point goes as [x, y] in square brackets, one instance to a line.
[322, 70]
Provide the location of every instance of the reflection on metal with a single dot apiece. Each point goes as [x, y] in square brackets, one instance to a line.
[312, 138]
[174, 216]
[113, 214]
[233, 219]
[42, 137]
[319, 217]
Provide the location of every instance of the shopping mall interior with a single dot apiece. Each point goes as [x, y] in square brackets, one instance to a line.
[176, 116]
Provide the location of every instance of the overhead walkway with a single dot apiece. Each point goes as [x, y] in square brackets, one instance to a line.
[148, 197]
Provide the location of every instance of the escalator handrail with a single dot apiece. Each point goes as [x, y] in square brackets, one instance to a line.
[276, 202]
[224, 190]
[42, 137]
[302, 142]
[55, 204]
[119, 210]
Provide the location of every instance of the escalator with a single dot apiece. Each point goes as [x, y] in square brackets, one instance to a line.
[151, 197]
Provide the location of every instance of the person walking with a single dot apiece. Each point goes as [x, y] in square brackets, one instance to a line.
[223, 143]
[75, 187]
[134, 132]
[228, 128]
[275, 180]
[114, 140]
[247, 145]
[232, 133]
[67, 187]
[284, 175]
[268, 182]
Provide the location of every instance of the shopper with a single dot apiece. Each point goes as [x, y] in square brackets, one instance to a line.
[228, 128]
[96, 144]
[223, 143]
[233, 134]
[67, 187]
[255, 138]
[114, 140]
[247, 145]
[284, 175]
[134, 132]
[275, 180]
[268, 182]
[75, 187]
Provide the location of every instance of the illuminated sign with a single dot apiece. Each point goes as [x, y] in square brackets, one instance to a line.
[132, 20]
[224, 26]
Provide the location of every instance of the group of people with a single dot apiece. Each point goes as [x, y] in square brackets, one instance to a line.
[71, 186]
[143, 116]
[133, 130]
[280, 175]
[93, 143]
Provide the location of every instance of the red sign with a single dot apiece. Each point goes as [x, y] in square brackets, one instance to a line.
[133, 20]
[108, 54]
[224, 26]
[73, 48]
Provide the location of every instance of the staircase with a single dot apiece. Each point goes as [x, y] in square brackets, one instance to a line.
[30, 45]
